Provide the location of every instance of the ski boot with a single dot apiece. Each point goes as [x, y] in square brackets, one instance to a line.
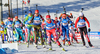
[90, 44]
[64, 42]
[53, 41]
[50, 48]
[62, 47]
[72, 41]
[78, 42]
[68, 43]
[10, 41]
[2, 41]
[43, 45]
[35, 45]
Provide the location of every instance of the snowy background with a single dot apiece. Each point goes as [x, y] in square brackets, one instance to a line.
[91, 11]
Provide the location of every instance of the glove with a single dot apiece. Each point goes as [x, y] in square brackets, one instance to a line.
[77, 32]
[75, 29]
[23, 25]
[13, 29]
[68, 22]
[71, 24]
[89, 30]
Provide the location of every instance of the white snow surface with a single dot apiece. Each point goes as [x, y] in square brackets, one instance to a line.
[91, 11]
[76, 49]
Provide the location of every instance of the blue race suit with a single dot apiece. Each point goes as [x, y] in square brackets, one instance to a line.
[65, 27]
[17, 25]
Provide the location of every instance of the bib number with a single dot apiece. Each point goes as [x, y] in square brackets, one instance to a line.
[17, 25]
[81, 23]
[64, 23]
[36, 21]
[9, 25]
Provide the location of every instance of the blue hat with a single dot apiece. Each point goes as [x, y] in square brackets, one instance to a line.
[30, 12]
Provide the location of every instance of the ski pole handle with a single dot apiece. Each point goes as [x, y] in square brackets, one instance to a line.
[48, 11]
[55, 15]
[82, 9]
[36, 6]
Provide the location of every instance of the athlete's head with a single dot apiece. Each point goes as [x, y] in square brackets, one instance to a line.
[81, 15]
[30, 13]
[64, 16]
[36, 12]
[56, 18]
[2, 22]
[9, 18]
[16, 18]
[48, 17]
[70, 13]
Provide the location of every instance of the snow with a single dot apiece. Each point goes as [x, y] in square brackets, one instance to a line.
[76, 49]
[91, 11]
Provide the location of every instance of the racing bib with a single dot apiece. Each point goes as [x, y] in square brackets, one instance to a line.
[65, 23]
[18, 25]
[81, 23]
[37, 21]
[9, 25]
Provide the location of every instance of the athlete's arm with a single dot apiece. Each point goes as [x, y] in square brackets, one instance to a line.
[87, 22]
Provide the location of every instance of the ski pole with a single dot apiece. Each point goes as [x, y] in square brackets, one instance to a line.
[36, 6]
[56, 13]
[64, 9]
[48, 12]
[82, 9]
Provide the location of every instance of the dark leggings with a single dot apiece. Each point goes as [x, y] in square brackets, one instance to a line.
[84, 29]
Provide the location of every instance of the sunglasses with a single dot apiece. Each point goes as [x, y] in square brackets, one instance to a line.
[36, 13]
[81, 16]
[47, 18]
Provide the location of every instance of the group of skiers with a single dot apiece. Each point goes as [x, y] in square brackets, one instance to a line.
[36, 29]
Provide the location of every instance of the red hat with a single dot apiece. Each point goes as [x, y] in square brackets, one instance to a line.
[70, 13]
[16, 17]
[63, 15]
[8, 17]
[56, 18]
[36, 11]
[48, 16]
[11, 19]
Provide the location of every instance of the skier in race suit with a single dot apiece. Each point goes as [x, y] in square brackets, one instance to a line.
[64, 12]
[57, 25]
[72, 33]
[17, 25]
[65, 27]
[2, 31]
[82, 27]
[50, 29]
[44, 32]
[36, 25]
[9, 27]
[27, 27]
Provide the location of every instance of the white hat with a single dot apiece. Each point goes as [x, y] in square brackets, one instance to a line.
[81, 14]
